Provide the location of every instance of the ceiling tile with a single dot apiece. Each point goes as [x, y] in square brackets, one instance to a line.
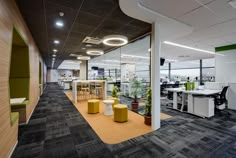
[73, 4]
[100, 8]
[200, 18]
[171, 8]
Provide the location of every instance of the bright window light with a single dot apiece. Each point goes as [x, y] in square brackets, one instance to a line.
[187, 47]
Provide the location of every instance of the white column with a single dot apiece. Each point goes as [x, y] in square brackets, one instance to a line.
[155, 75]
[83, 70]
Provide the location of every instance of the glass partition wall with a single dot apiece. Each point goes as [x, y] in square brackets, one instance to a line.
[129, 64]
[122, 67]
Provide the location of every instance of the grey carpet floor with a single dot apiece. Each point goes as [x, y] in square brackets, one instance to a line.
[57, 130]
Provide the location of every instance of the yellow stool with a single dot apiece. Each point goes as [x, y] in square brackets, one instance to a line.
[93, 106]
[116, 101]
[120, 113]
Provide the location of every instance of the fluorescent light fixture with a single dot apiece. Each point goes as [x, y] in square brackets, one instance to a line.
[59, 23]
[115, 40]
[171, 60]
[83, 58]
[54, 55]
[95, 52]
[113, 61]
[54, 50]
[133, 56]
[187, 47]
[56, 41]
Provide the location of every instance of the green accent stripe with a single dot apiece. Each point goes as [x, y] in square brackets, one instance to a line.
[224, 48]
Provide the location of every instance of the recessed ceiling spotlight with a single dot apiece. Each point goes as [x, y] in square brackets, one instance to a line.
[149, 49]
[115, 40]
[59, 23]
[54, 50]
[54, 55]
[56, 41]
[61, 14]
[95, 52]
[88, 45]
[83, 58]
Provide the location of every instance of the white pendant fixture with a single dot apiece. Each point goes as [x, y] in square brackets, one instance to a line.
[94, 51]
[115, 40]
[83, 57]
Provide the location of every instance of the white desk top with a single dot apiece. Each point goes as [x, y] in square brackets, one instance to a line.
[14, 101]
[175, 89]
[203, 92]
[198, 92]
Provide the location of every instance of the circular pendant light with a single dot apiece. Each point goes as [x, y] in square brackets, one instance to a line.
[83, 58]
[115, 40]
[94, 52]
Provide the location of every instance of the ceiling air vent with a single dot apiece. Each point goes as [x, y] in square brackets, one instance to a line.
[92, 40]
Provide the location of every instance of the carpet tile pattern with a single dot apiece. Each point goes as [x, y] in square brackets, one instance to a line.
[57, 130]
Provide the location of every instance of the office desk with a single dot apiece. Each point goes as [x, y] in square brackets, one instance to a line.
[193, 107]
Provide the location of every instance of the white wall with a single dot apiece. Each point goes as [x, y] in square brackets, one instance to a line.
[226, 66]
[53, 74]
[226, 72]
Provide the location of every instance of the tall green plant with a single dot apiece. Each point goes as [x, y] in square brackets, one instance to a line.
[148, 106]
[136, 88]
[114, 92]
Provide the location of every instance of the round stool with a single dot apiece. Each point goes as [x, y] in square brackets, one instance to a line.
[93, 106]
[120, 113]
[108, 107]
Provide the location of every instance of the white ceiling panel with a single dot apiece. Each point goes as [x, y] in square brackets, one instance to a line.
[227, 27]
[222, 9]
[200, 18]
[171, 8]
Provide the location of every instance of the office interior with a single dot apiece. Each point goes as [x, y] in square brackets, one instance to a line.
[117, 78]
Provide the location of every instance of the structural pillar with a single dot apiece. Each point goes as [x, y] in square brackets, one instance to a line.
[201, 82]
[169, 71]
[155, 75]
[83, 70]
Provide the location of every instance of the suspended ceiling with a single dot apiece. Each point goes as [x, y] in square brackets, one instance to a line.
[95, 18]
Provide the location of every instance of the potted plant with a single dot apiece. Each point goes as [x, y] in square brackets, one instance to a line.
[114, 92]
[114, 95]
[136, 90]
[148, 107]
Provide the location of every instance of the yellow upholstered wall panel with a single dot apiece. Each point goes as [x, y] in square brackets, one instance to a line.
[10, 17]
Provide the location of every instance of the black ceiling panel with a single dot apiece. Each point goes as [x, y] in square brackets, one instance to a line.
[94, 18]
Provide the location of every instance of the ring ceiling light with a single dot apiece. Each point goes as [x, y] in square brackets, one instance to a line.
[94, 52]
[83, 58]
[115, 40]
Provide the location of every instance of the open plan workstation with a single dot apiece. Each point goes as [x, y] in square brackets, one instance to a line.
[117, 78]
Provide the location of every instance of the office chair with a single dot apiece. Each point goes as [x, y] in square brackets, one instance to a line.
[220, 99]
[163, 87]
[176, 85]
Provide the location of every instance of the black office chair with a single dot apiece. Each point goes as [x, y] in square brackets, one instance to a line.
[176, 85]
[220, 99]
[169, 98]
[163, 87]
